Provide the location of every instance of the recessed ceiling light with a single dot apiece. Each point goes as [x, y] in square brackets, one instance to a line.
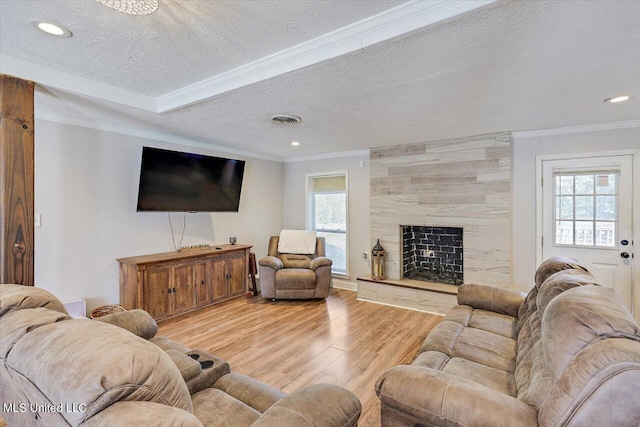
[52, 28]
[295, 143]
[617, 99]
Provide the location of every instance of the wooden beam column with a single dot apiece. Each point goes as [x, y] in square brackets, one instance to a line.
[16, 181]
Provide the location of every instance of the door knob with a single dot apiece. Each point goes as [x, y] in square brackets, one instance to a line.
[624, 242]
[624, 255]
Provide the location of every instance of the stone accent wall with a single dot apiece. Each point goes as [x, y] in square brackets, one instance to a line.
[462, 182]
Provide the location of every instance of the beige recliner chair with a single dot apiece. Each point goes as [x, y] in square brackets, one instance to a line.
[295, 276]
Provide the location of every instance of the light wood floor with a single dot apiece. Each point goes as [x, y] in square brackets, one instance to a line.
[291, 344]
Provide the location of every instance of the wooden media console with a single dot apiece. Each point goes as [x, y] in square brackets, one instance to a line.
[173, 283]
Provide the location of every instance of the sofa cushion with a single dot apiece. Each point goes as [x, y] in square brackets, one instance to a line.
[486, 348]
[216, 408]
[167, 344]
[258, 395]
[295, 278]
[553, 265]
[533, 378]
[314, 405]
[592, 348]
[137, 321]
[294, 261]
[431, 359]
[17, 324]
[140, 413]
[578, 318]
[559, 282]
[436, 398]
[495, 379]
[478, 335]
[18, 297]
[500, 324]
[129, 368]
[456, 339]
[545, 269]
[497, 300]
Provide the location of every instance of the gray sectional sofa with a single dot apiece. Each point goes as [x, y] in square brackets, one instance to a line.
[57, 371]
[566, 354]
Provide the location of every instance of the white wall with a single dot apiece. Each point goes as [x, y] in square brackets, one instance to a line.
[525, 150]
[293, 194]
[86, 185]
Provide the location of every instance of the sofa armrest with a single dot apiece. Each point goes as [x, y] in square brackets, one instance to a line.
[498, 300]
[188, 367]
[271, 261]
[322, 405]
[439, 398]
[318, 262]
[137, 321]
[142, 413]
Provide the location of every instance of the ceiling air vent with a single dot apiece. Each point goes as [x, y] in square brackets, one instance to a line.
[285, 119]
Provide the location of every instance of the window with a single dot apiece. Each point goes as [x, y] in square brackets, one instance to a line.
[327, 198]
[585, 209]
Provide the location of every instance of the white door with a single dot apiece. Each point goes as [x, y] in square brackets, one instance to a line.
[586, 205]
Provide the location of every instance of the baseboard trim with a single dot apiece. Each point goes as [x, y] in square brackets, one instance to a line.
[399, 306]
[345, 284]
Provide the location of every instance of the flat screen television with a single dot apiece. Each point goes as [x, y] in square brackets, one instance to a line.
[172, 181]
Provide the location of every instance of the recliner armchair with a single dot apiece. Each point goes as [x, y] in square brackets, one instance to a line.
[295, 276]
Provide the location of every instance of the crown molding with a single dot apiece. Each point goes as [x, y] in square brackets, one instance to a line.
[402, 19]
[391, 23]
[68, 82]
[336, 155]
[155, 136]
[386, 25]
[629, 124]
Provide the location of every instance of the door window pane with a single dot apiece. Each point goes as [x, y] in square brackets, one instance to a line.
[605, 234]
[584, 233]
[585, 209]
[584, 184]
[566, 184]
[606, 207]
[564, 232]
[566, 207]
[606, 184]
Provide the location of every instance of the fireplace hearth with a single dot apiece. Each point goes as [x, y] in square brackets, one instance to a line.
[432, 254]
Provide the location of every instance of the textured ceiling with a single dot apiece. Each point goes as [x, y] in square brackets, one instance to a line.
[518, 66]
[183, 42]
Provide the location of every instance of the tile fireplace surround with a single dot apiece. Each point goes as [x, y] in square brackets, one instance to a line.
[463, 183]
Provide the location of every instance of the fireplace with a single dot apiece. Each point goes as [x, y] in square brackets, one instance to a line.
[432, 254]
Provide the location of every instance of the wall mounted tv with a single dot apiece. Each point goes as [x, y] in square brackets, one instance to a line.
[171, 181]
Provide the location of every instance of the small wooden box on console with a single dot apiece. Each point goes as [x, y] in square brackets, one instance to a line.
[173, 283]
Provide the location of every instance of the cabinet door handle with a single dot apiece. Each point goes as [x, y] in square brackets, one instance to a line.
[202, 283]
[169, 290]
[174, 290]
